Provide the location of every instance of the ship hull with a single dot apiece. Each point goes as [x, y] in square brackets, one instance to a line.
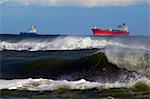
[108, 33]
[27, 34]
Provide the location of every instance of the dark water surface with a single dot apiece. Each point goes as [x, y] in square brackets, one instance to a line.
[74, 67]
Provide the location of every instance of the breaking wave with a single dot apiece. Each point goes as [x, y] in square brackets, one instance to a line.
[66, 43]
[71, 43]
[130, 59]
[49, 65]
[107, 66]
[131, 53]
[50, 85]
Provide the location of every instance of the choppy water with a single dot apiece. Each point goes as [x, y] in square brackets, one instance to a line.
[75, 67]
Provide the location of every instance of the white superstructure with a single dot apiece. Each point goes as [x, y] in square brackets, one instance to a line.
[122, 27]
[32, 29]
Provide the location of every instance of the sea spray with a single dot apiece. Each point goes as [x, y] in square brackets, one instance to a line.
[49, 84]
[129, 58]
[69, 43]
[74, 67]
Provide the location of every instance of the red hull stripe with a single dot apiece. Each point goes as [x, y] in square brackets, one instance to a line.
[106, 32]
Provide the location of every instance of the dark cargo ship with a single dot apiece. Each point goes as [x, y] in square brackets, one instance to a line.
[31, 31]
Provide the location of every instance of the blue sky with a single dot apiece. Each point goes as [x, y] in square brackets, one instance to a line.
[74, 17]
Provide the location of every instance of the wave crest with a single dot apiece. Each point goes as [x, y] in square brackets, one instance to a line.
[65, 43]
[48, 84]
[131, 59]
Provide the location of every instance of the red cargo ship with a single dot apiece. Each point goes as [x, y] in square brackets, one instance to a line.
[121, 30]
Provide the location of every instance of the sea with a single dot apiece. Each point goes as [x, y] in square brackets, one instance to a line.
[74, 67]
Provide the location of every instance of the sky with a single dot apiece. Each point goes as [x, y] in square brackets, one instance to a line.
[74, 17]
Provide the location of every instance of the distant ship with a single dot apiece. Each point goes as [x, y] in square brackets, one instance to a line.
[121, 30]
[31, 31]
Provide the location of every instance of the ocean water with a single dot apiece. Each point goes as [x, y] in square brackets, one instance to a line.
[76, 67]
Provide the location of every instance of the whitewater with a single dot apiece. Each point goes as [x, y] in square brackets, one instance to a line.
[73, 42]
[132, 53]
[58, 63]
[51, 85]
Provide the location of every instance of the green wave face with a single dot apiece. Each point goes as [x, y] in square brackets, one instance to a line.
[48, 64]
[92, 66]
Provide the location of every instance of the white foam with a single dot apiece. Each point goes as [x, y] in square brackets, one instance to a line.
[48, 84]
[64, 43]
[130, 59]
